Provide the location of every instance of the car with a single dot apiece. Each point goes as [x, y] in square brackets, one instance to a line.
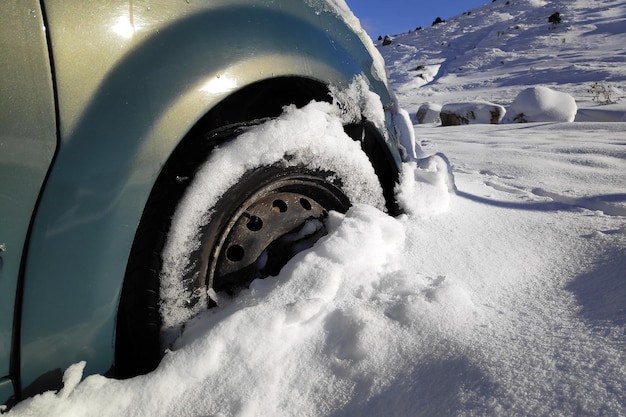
[108, 110]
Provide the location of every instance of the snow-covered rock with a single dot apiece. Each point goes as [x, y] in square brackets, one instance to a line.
[428, 113]
[541, 104]
[482, 112]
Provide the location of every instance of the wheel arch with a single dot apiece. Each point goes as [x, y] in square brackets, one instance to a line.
[111, 155]
[258, 101]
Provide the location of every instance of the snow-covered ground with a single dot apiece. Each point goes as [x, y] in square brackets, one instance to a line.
[505, 298]
[497, 50]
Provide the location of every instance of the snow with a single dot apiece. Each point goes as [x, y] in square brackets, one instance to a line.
[425, 186]
[503, 47]
[503, 293]
[541, 104]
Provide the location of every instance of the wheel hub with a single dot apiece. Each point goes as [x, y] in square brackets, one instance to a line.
[264, 236]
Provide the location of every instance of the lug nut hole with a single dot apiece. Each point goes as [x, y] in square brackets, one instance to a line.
[279, 206]
[235, 253]
[306, 204]
[255, 223]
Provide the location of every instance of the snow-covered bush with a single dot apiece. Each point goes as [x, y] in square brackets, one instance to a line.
[603, 93]
[476, 112]
[541, 104]
[428, 113]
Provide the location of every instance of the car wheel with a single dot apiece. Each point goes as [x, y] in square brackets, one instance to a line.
[219, 240]
[260, 223]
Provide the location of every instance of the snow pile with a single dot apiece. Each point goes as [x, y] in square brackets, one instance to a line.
[541, 104]
[426, 186]
[471, 113]
[322, 336]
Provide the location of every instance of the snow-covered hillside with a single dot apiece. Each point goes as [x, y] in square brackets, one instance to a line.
[494, 51]
[506, 298]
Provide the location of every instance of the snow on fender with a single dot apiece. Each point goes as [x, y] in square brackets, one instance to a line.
[404, 128]
[541, 104]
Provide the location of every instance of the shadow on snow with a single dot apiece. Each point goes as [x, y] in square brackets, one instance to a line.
[601, 292]
[560, 203]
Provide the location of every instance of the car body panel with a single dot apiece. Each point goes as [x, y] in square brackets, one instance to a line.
[27, 144]
[6, 389]
[132, 79]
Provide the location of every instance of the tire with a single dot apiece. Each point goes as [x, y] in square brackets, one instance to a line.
[256, 226]
[242, 215]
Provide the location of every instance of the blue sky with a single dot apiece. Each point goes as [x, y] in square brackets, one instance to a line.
[390, 17]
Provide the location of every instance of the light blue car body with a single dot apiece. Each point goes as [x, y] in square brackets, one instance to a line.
[96, 97]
